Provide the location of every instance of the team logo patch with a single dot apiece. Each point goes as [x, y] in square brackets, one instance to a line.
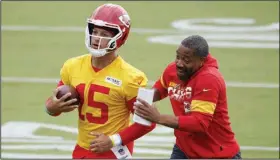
[179, 93]
[125, 19]
[187, 107]
[121, 151]
[113, 81]
[172, 84]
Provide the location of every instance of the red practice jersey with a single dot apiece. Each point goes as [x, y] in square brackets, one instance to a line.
[201, 101]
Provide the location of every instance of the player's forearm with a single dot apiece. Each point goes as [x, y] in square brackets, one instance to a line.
[134, 132]
[194, 122]
[48, 101]
[169, 121]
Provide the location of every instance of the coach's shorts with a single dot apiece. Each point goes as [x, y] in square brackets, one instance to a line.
[178, 154]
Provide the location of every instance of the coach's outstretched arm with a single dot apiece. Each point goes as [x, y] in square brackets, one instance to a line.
[135, 131]
[202, 108]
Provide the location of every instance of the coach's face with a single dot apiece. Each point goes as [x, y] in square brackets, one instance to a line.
[187, 63]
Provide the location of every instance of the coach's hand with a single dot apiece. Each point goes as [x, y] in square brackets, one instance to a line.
[146, 111]
[55, 105]
[101, 143]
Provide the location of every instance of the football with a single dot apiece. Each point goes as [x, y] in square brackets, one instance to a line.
[64, 89]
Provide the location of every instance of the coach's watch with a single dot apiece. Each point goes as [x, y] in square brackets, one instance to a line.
[116, 139]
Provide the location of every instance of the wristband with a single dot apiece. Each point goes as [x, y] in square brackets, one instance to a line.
[116, 139]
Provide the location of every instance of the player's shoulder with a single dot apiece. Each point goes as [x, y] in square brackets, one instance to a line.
[130, 69]
[132, 73]
[77, 60]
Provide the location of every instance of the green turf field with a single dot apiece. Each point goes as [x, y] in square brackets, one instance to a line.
[245, 40]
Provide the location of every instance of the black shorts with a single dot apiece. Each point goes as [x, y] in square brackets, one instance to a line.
[178, 154]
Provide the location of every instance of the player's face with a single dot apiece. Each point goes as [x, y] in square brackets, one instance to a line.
[100, 38]
[187, 63]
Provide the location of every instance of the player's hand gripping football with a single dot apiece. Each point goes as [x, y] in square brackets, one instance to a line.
[59, 105]
[146, 111]
[101, 143]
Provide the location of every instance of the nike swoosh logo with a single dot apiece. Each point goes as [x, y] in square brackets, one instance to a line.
[140, 82]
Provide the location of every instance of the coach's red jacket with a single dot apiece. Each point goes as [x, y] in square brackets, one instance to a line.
[201, 106]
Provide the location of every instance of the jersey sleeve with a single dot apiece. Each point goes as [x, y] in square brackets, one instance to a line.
[161, 85]
[206, 94]
[203, 105]
[64, 72]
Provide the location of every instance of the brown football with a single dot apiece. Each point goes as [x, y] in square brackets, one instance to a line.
[62, 90]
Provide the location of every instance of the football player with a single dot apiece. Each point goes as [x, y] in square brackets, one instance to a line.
[107, 87]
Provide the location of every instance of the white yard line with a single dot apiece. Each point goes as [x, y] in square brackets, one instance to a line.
[134, 30]
[80, 29]
[14, 133]
[54, 80]
[13, 155]
[144, 142]
[245, 34]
